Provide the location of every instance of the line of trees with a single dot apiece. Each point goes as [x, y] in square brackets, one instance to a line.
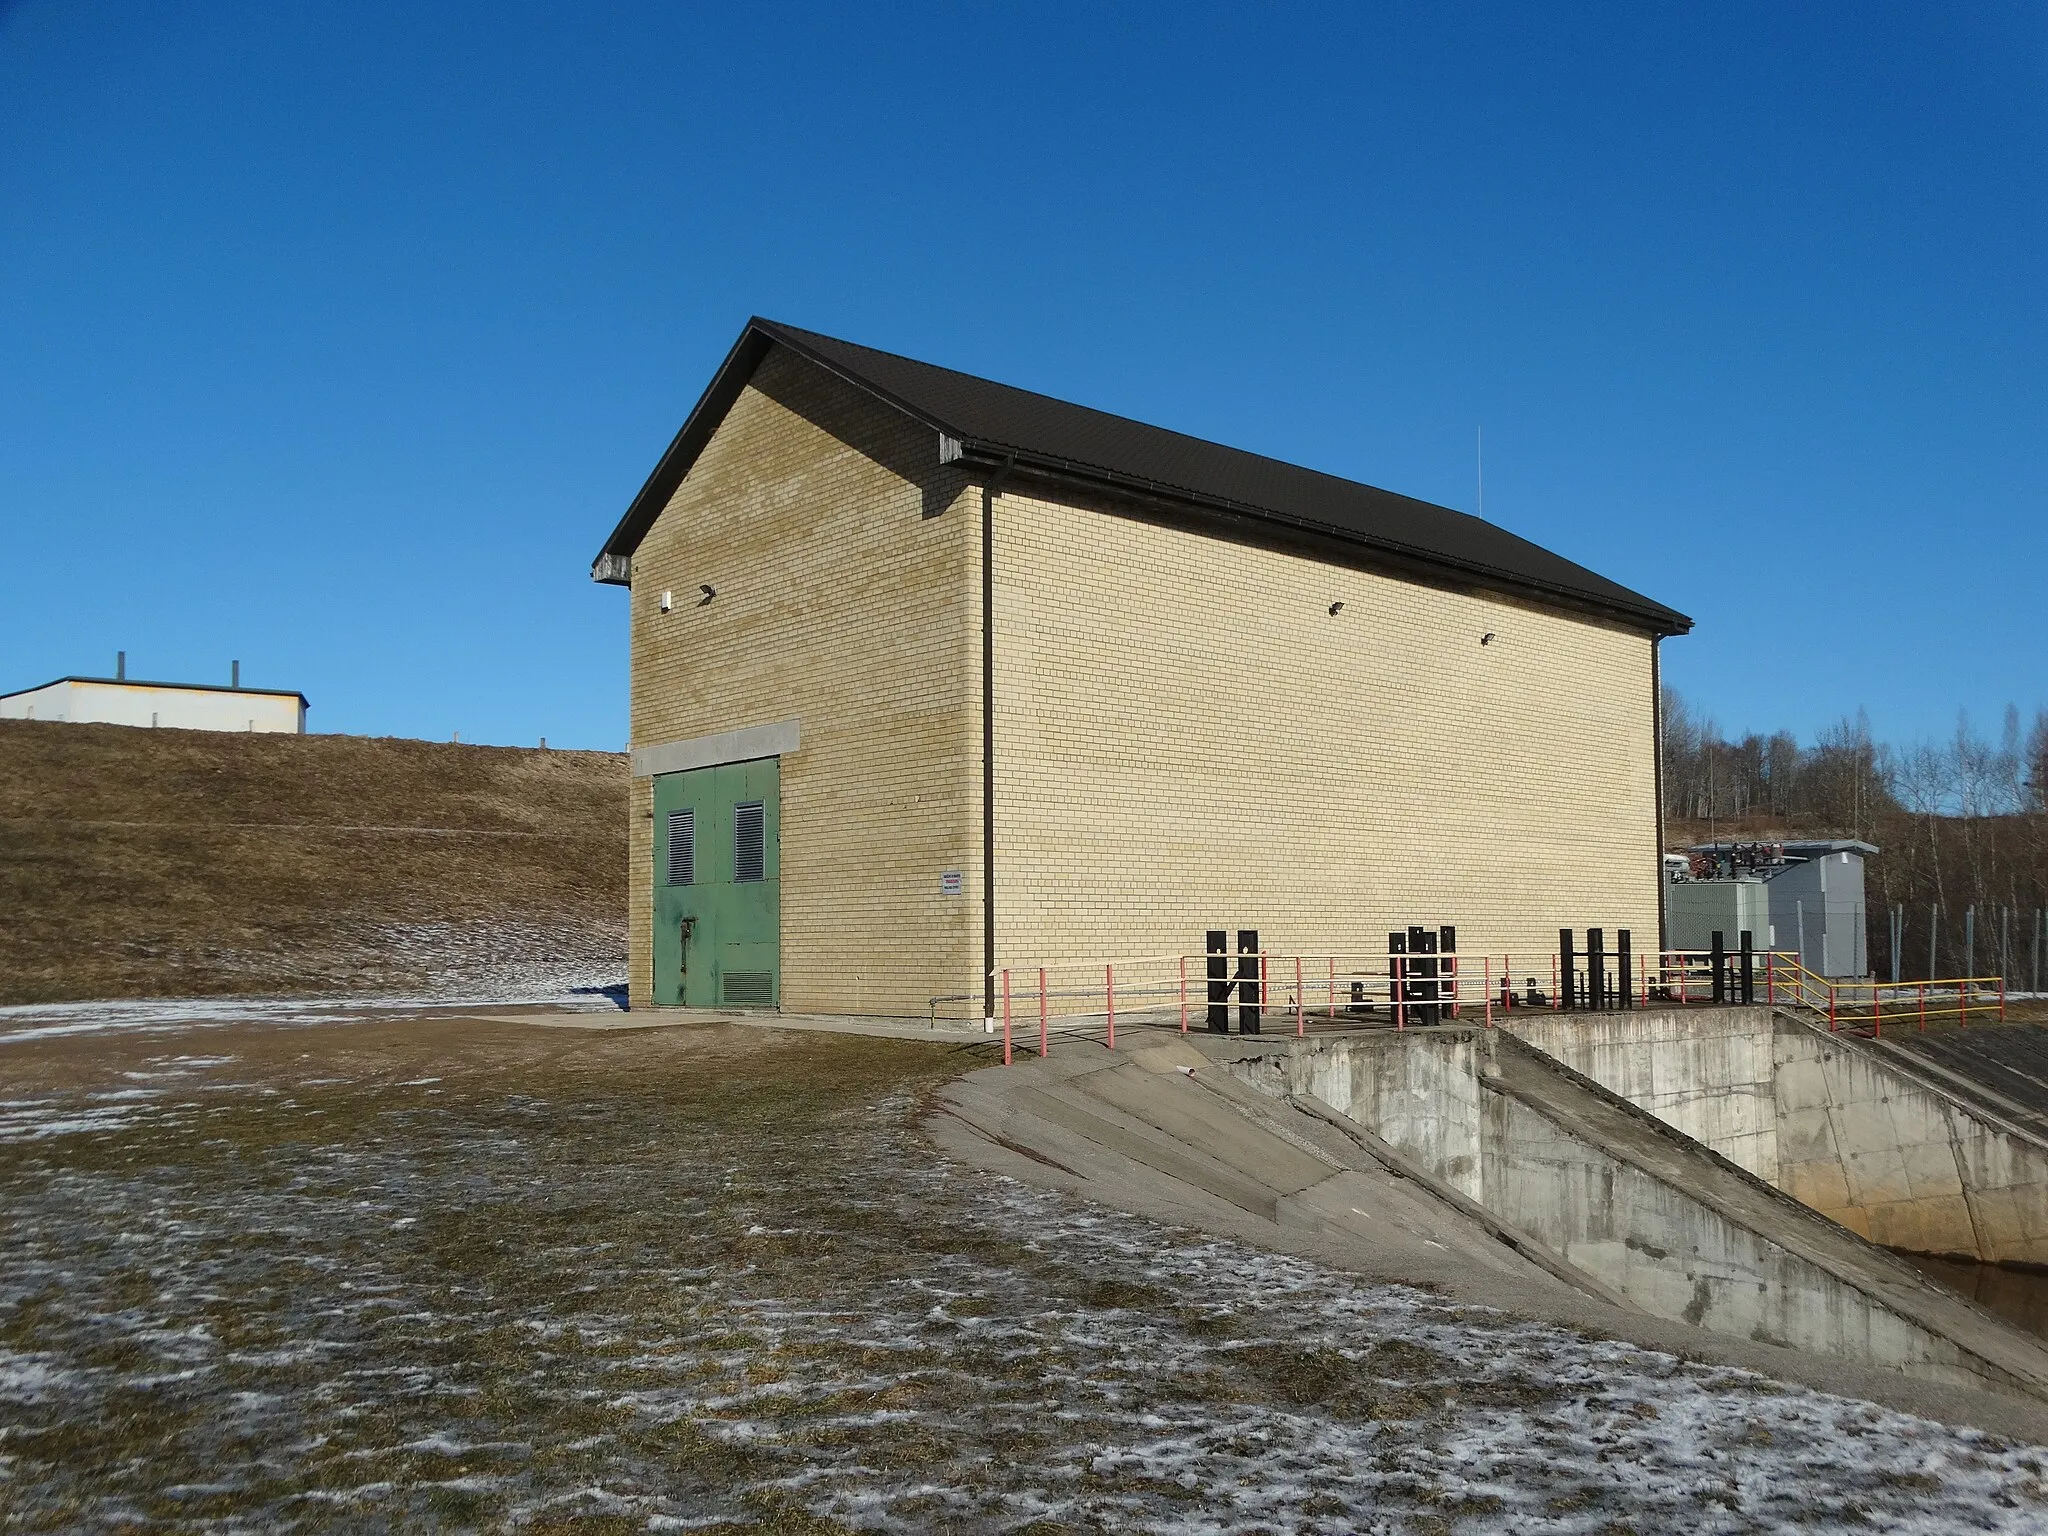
[1962, 824]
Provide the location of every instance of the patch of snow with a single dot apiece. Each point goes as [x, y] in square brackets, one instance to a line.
[29, 1121]
[31, 1378]
[575, 992]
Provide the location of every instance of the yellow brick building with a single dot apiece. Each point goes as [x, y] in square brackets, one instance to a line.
[932, 677]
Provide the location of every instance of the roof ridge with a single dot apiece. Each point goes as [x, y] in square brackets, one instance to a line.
[1119, 417]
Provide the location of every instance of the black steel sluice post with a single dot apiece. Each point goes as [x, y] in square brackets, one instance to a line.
[1567, 968]
[1596, 967]
[1422, 942]
[1250, 995]
[1748, 967]
[1447, 944]
[1719, 961]
[1218, 965]
[1624, 968]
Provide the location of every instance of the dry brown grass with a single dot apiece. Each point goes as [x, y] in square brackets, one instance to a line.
[468, 1274]
[140, 863]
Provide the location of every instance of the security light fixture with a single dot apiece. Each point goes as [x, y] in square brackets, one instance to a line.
[668, 601]
[1335, 609]
[709, 592]
[1487, 638]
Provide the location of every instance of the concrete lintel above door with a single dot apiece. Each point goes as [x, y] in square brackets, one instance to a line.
[740, 746]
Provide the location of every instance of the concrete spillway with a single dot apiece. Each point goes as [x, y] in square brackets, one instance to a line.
[1905, 1142]
[1479, 1162]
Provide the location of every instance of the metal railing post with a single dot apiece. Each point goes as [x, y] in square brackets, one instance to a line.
[1006, 1015]
[1109, 1000]
[1300, 1025]
[1183, 994]
[1043, 1042]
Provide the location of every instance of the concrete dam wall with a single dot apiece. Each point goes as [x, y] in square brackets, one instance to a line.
[1860, 1130]
[1636, 1205]
[1458, 1157]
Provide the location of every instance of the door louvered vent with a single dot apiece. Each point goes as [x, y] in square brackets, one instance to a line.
[748, 988]
[682, 847]
[749, 843]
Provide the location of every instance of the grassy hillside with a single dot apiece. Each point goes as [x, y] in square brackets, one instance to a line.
[139, 863]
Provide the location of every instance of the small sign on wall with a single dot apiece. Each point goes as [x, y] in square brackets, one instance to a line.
[950, 883]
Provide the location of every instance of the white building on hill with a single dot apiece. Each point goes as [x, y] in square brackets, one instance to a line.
[120, 700]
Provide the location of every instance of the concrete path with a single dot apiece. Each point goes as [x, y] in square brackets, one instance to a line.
[671, 1018]
[2002, 1067]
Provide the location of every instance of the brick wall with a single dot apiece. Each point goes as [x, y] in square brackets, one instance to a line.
[1187, 738]
[846, 600]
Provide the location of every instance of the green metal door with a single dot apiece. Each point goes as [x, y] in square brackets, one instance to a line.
[718, 886]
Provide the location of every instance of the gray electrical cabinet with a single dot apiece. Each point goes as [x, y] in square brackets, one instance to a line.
[1694, 910]
[1807, 897]
[1817, 905]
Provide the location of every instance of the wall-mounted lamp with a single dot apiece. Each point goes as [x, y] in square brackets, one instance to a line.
[709, 592]
[1487, 638]
[1335, 609]
[668, 601]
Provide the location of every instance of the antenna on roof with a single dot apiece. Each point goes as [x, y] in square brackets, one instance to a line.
[1480, 449]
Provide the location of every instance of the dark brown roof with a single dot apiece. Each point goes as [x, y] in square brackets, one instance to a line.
[991, 423]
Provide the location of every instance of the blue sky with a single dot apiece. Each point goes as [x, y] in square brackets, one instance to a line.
[335, 338]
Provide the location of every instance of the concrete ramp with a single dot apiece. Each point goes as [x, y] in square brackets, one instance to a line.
[2002, 1068]
[1162, 1129]
[1472, 1162]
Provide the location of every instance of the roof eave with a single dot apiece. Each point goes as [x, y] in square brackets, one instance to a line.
[614, 563]
[981, 454]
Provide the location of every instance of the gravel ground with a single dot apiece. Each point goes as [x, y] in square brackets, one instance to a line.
[436, 1274]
